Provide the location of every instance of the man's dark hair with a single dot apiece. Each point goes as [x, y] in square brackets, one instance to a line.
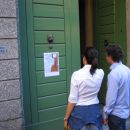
[115, 51]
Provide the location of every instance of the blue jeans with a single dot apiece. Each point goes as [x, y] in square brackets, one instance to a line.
[116, 123]
[86, 116]
[90, 127]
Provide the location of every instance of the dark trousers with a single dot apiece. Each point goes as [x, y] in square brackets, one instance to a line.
[116, 123]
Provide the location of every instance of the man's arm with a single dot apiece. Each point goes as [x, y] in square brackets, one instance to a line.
[112, 91]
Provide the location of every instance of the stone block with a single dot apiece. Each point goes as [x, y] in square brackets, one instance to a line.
[8, 28]
[11, 125]
[7, 8]
[10, 110]
[9, 69]
[11, 46]
[9, 90]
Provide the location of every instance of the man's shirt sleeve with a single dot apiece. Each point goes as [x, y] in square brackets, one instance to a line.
[112, 91]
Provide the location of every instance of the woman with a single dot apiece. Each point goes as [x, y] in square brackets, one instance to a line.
[83, 110]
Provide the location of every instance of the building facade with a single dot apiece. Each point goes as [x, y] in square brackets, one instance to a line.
[28, 100]
[11, 116]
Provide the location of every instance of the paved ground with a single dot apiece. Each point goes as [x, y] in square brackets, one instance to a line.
[128, 126]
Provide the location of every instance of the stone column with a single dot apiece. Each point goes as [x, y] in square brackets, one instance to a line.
[89, 23]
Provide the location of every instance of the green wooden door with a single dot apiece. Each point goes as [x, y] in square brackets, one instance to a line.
[48, 95]
[109, 26]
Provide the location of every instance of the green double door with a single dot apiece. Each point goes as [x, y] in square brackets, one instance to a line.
[49, 95]
[45, 98]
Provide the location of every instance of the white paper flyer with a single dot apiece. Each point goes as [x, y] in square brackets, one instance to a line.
[51, 64]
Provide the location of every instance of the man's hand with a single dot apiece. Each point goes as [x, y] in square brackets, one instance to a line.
[105, 118]
[105, 121]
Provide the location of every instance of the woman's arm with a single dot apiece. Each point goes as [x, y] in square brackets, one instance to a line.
[73, 98]
[69, 110]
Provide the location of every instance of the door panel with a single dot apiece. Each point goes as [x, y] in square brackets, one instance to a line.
[41, 10]
[54, 2]
[105, 3]
[106, 20]
[40, 36]
[52, 101]
[39, 49]
[52, 114]
[51, 89]
[41, 79]
[108, 27]
[49, 95]
[107, 10]
[51, 125]
[48, 24]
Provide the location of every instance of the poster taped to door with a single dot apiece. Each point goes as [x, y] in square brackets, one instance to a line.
[51, 64]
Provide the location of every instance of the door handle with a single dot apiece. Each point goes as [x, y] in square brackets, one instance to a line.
[50, 39]
[106, 43]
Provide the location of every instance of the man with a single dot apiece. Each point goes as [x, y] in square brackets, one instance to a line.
[117, 108]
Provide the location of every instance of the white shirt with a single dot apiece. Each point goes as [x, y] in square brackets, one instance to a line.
[85, 87]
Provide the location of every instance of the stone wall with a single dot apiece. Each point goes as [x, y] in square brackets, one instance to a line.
[10, 97]
[128, 30]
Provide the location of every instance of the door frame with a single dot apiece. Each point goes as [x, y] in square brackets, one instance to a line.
[23, 40]
[22, 26]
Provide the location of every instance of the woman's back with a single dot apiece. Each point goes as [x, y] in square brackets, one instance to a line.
[85, 86]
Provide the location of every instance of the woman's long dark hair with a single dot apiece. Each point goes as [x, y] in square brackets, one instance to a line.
[91, 55]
